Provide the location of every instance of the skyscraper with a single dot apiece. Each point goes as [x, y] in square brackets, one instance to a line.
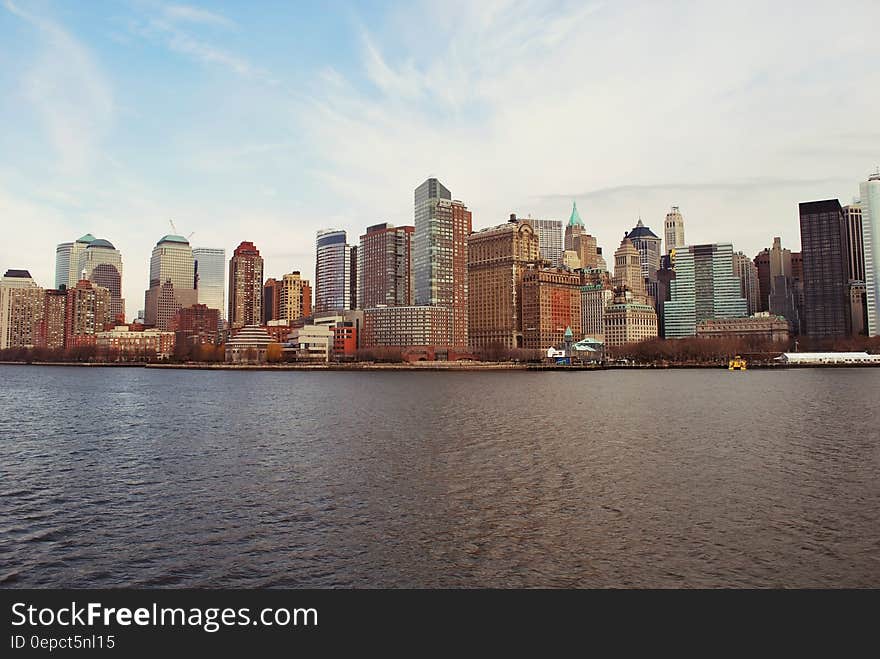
[747, 273]
[784, 297]
[172, 279]
[101, 263]
[440, 254]
[549, 240]
[673, 229]
[67, 261]
[826, 285]
[384, 272]
[210, 272]
[574, 228]
[21, 309]
[628, 269]
[648, 245]
[86, 312]
[294, 297]
[855, 244]
[333, 272]
[704, 288]
[245, 286]
[497, 259]
[870, 203]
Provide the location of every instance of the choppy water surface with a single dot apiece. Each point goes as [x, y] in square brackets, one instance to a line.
[133, 477]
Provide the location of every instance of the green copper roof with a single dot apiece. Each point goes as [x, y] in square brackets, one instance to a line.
[171, 238]
[88, 238]
[568, 333]
[575, 219]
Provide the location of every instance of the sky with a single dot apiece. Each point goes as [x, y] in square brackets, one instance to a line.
[268, 121]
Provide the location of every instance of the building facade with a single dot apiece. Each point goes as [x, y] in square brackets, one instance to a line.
[594, 300]
[826, 284]
[704, 287]
[549, 240]
[497, 258]
[673, 229]
[870, 204]
[137, 344]
[334, 275]
[649, 247]
[21, 309]
[86, 312]
[210, 273]
[629, 320]
[384, 269]
[172, 281]
[101, 263]
[551, 303]
[628, 270]
[67, 261]
[763, 327]
[198, 325]
[245, 286]
[747, 273]
[407, 327]
[442, 226]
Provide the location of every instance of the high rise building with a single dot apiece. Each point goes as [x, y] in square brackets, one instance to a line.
[870, 203]
[245, 286]
[172, 281]
[595, 297]
[442, 226]
[333, 272]
[673, 229]
[784, 297]
[826, 284]
[197, 325]
[21, 310]
[51, 330]
[551, 303]
[86, 312]
[271, 300]
[67, 261]
[549, 240]
[855, 244]
[704, 287]
[101, 263]
[294, 297]
[762, 263]
[747, 273]
[628, 269]
[497, 258]
[384, 270]
[648, 245]
[210, 273]
[574, 228]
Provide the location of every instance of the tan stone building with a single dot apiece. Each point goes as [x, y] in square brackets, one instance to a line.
[629, 320]
[21, 309]
[628, 270]
[497, 258]
[761, 327]
[551, 302]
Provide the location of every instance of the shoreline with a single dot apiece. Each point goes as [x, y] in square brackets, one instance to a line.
[425, 366]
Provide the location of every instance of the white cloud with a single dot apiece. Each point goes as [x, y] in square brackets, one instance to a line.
[69, 93]
[187, 13]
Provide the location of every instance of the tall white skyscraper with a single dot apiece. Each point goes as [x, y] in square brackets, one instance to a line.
[870, 203]
[674, 229]
[210, 271]
[549, 240]
[334, 271]
[67, 261]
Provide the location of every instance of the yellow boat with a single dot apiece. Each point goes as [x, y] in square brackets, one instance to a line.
[737, 364]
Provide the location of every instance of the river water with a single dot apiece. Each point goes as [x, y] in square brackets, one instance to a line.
[682, 478]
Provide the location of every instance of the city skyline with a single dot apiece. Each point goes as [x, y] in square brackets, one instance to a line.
[736, 142]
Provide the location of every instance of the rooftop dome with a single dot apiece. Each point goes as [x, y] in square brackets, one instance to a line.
[100, 242]
[171, 238]
[88, 238]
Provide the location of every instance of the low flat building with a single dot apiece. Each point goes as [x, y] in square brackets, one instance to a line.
[819, 358]
[311, 343]
[134, 344]
[761, 327]
[407, 327]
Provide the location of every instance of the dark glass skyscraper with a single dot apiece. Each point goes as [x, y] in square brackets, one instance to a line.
[826, 290]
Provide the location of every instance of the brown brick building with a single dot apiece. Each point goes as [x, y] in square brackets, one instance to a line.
[551, 302]
[497, 259]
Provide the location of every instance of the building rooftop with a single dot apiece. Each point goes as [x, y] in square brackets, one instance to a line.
[100, 242]
[575, 218]
[641, 231]
[18, 274]
[88, 238]
[172, 238]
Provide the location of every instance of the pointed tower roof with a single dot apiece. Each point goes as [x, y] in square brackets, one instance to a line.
[575, 219]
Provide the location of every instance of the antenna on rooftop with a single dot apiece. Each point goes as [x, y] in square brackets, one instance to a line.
[173, 228]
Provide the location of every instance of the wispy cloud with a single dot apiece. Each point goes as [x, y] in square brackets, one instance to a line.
[69, 92]
[187, 13]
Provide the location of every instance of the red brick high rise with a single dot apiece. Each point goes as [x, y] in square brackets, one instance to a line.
[245, 286]
[198, 324]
